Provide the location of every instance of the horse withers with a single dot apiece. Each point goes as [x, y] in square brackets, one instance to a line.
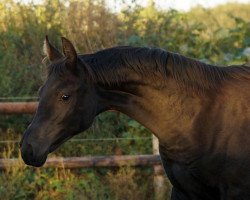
[199, 112]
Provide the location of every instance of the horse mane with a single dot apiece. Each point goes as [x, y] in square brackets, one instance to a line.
[111, 66]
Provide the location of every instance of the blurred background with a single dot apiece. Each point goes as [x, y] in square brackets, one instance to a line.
[216, 32]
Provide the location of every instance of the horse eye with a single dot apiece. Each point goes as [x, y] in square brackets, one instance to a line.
[65, 97]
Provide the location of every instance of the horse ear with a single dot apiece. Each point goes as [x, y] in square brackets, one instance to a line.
[69, 52]
[51, 52]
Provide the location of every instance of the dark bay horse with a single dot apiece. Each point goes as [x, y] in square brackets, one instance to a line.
[199, 112]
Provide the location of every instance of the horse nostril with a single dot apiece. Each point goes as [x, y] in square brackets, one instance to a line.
[30, 150]
[27, 150]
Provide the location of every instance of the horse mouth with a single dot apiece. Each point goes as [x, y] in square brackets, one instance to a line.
[58, 143]
[35, 162]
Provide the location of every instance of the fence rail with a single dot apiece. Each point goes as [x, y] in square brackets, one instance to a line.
[18, 107]
[92, 161]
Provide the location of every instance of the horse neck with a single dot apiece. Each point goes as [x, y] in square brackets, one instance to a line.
[166, 110]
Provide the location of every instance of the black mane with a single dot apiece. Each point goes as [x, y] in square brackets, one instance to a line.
[110, 66]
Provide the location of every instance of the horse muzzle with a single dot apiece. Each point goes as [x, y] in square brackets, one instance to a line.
[32, 153]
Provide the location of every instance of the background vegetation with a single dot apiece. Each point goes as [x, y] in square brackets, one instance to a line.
[220, 35]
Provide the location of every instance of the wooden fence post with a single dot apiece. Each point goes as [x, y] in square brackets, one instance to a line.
[158, 178]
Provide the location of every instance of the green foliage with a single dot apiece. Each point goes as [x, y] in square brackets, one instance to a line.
[22, 182]
[188, 33]
[65, 184]
[219, 35]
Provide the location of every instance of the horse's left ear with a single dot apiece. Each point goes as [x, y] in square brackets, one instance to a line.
[51, 52]
[69, 52]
